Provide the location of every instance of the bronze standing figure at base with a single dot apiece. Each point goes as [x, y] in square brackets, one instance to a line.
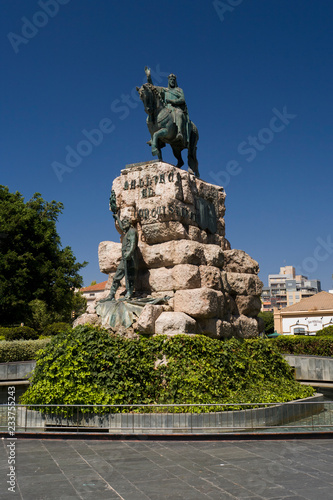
[128, 264]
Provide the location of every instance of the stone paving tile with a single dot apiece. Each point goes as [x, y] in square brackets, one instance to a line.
[89, 482]
[223, 495]
[316, 493]
[294, 497]
[157, 488]
[325, 477]
[107, 495]
[37, 470]
[50, 490]
[245, 470]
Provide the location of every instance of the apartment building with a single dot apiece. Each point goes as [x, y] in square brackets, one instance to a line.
[287, 288]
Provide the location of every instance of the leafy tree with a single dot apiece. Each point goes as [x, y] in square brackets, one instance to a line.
[40, 316]
[79, 305]
[94, 282]
[33, 266]
[268, 318]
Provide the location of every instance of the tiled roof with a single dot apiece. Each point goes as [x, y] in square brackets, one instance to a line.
[94, 288]
[320, 302]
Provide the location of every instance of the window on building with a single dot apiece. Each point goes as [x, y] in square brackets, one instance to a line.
[91, 295]
[299, 331]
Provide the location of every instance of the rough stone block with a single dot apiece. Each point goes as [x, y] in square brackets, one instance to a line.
[183, 251]
[85, 318]
[194, 233]
[216, 239]
[186, 276]
[199, 302]
[214, 255]
[226, 330]
[182, 276]
[204, 237]
[237, 261]
[211, 327]
[210, 277]
[109, 282]
[172, 253]
[245, 328]
[225, 244]
[109, 256]
[214, 193]
[91, 307]
[146, 320]
[160, 184]
[220, 227]
[242, 283]
[249, 305]
[230, 305]
[188, 187]
[157, 280]
[174, 323]
[158, 232]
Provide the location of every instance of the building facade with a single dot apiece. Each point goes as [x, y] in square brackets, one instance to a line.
[305, 317]
[286, 289]
[94, 293]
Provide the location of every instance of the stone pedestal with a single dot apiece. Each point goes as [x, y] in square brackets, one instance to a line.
[183, 253]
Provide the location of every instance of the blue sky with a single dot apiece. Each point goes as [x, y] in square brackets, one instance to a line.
[241, 63]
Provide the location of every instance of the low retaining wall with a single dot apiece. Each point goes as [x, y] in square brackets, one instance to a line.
[315, 368]
[18, 370]
[166, 423]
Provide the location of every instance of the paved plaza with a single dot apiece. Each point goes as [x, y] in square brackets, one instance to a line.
[158, 470]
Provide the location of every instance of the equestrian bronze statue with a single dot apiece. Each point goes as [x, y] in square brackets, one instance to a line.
[168, 121]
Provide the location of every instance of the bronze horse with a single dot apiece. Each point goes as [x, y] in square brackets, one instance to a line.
[163, 129]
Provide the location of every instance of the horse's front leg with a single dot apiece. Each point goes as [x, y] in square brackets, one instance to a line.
[155, 150]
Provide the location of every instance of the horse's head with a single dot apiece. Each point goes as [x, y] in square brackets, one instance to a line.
[150, 97]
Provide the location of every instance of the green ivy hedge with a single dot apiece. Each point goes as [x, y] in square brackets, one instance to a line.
[18, 333]
[21, 350]
[315, 346]
[91, 367]
[325, 331]
[56, 328]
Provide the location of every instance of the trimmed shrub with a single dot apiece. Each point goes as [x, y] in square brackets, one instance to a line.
[19, 333]
[325, 331]
[56, 328]
[21, 350]
[310, 346]
[92, 367]
[3, 331]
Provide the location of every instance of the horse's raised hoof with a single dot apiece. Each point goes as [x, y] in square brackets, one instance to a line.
[149, 142]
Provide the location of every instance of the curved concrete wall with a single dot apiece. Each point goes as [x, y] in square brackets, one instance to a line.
[315, 368]
[18, 370]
